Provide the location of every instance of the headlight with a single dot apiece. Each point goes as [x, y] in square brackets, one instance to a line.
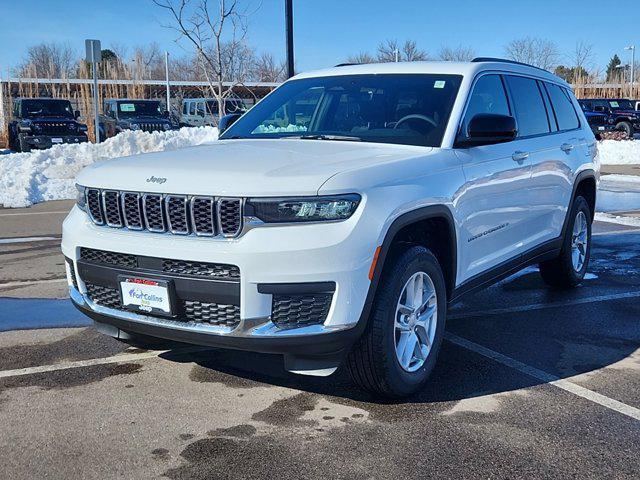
[81, 199]
[82, 128]
[166, 126]
[134, 126]
[611, 120]
[304, 209]
[25, 126]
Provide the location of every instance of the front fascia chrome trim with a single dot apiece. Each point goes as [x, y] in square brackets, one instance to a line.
[252, 328]
[185, 203]
[104, 208]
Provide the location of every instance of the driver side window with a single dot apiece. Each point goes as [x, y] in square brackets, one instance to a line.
[488, 96]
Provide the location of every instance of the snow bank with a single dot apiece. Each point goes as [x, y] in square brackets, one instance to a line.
[27, 178]
[618, 193]
[623, 152]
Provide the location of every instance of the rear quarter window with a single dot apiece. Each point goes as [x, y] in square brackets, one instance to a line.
[563, 107]
[530, 112]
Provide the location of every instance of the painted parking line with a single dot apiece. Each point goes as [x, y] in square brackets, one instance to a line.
[615, 232]
[31, 282]
[543, 306]
[545, 377]
[122, 358]
[27, 239]
[32, 213]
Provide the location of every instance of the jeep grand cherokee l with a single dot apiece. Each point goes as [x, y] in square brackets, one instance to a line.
[340, 237]
[43, 122]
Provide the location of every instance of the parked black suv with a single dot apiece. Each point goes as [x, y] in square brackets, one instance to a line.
[622, 112]
[133, 114]
[44, 122]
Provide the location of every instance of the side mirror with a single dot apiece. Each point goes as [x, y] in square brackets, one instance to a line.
[76, 114]
[489, 128]
[226, 121]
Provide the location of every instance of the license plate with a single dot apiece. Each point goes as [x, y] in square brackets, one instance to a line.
[146, 295]
[56, 140]
[601, 129]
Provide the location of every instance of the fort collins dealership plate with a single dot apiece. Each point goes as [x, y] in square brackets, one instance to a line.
[145, 295]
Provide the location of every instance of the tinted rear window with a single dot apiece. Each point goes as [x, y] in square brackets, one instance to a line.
[563, 108]
[531, 116]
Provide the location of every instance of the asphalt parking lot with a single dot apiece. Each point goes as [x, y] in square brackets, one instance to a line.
[531, 383]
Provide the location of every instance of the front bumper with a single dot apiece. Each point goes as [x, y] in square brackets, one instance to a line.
[47, 141]
[297, 257]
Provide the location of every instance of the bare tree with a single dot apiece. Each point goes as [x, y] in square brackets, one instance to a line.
[582, 56]
[148, 61]
[215, 32]
[456, 54]
[390, 51]
[538, 52]
[49, 60]
[266, 69]
[362, 57]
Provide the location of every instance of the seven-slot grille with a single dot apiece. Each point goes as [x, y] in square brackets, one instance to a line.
[151, 127]
[55, 128]
[155, 212]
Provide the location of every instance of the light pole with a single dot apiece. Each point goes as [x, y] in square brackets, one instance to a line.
[166, 72]
[633, 61]
[288, 12]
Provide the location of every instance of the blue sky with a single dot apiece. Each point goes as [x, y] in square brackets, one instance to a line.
[327, 31]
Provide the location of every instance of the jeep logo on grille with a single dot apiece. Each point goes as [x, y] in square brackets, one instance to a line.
[158, 180]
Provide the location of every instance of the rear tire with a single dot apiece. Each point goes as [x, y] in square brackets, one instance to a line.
[569, 268]
[398, 350]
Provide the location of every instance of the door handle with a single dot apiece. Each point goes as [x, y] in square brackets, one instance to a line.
[519, 156]
[566, 147]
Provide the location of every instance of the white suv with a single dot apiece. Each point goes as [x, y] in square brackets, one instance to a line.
[335, 221]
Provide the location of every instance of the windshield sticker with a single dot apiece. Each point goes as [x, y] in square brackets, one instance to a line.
[439, 84]
[614, 104]
[127, 107]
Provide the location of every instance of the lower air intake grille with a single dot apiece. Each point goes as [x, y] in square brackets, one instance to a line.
[200, 269]
[104, 296]
[190, 311]
[110, 258]
[291, 311]
[213, 313]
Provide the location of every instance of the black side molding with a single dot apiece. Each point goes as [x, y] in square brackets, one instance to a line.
[296, 288]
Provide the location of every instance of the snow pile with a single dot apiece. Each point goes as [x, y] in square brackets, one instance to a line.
[623, 152]
[27, 178]
[618, 193]
[273, 129]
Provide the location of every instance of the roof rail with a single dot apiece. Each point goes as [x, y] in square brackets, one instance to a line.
[346, 64]
[504, 60]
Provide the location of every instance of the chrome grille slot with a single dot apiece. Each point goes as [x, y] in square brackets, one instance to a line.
[230, 216]
[132, 210]
[94, 206]
[202, 216]
[153, 212]
[111, 208]
[177, 214]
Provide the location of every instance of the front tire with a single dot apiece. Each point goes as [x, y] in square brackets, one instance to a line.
[625, 127]
[398, 350]
[24, 145]
[570, 267]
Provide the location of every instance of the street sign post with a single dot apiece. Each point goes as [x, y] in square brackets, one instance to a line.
[94, 56]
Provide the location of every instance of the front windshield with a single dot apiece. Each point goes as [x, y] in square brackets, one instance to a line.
[385, 108]
[46, 108]
[620, 105]
[132, 109]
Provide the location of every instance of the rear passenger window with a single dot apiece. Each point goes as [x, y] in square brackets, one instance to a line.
[488, 96]
[531, 116]
[563, 108]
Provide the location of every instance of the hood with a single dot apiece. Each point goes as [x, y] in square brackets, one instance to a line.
[241, 168]
[50, 119]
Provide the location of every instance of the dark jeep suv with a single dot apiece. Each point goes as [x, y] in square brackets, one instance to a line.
[128, 114]
[44, 122]
[622, 112]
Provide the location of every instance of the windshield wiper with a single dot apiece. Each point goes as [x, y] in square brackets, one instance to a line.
[343, 138]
